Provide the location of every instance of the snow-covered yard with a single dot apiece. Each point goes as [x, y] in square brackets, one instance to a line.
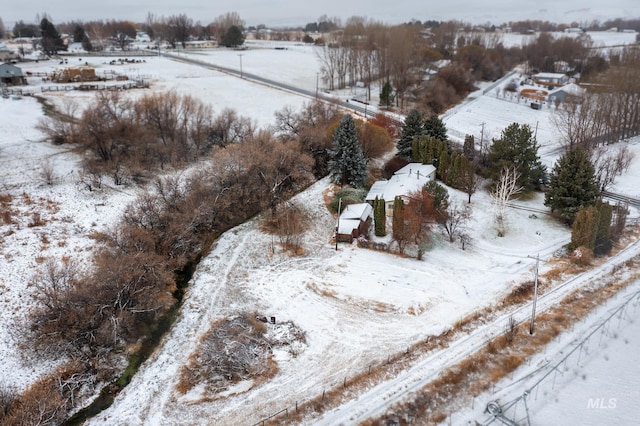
[356, 306]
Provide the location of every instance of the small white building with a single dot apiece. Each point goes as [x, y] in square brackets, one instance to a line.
[410, 178]
[550, 79]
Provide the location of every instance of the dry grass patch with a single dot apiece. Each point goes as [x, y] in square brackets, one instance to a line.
[324, 291]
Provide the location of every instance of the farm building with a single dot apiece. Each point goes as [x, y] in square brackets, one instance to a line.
[354, 221]
[550, 79]
[564, 93]
[408, 179]
[11, 75]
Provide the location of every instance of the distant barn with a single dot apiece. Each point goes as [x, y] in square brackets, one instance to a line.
[11, 75]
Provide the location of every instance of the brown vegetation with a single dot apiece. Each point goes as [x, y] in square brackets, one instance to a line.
[94, 317]
[235, 348]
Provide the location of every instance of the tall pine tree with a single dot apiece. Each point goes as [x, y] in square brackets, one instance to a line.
[348, 164]
[572, 184]
[435, 127]
[379, 217]
[411, 128]
[517, 147]
[51, 41]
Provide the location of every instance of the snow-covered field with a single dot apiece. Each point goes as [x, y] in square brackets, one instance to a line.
[355, 306]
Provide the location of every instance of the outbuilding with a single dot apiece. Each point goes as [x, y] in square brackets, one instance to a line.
[11, 75]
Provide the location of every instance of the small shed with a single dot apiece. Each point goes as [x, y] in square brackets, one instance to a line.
[354, 221]
[11, 75]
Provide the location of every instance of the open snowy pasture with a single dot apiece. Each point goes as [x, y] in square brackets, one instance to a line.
[220, 90]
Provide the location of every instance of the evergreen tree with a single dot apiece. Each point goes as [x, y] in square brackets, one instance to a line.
[429, 150]
[442, 164]
[379, 217]
[51, 41]
[434, 127]
[411, 128]
[386, 98]
[517, 148]
[455, 169]
[572, 184]
[469, 148]
[78, 33]
[348, 164]
[467, 177]
[584, 228]
[603, 241]
[233, 37]
[400, 229]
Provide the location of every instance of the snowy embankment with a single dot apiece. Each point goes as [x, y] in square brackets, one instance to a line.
[40, 222]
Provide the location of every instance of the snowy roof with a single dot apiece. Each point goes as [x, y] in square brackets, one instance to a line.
[550, 75]
[416, 168]
[9, 71]
[408, 179]
[571, 89]
[346, 226]
[360, 211]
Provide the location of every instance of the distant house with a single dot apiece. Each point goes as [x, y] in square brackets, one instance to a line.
[564, 93]
[11, 75]
[408, 179]
[5, 53]
[75, 47]
[550, 79]
[354, 221]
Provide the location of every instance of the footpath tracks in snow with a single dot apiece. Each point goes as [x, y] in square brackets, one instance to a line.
[375, 402]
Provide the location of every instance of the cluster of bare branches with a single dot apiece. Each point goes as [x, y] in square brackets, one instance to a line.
[289, 223]
[235, 348]
[505, 189]
[128, 138]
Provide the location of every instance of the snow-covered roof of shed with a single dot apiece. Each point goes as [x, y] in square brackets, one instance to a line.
[346, 226]
[360, 211]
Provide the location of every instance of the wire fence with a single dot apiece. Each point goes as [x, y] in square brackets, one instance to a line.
[516, 411]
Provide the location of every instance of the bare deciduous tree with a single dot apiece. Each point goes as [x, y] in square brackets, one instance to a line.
[609, 163]
[506, 187]
[455, 220]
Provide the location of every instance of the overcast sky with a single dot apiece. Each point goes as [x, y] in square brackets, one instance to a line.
[276, 13]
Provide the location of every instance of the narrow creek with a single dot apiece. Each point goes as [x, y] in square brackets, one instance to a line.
[148, 346]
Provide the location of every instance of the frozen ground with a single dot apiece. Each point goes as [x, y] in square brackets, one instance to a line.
[595, 380]
[355, 306]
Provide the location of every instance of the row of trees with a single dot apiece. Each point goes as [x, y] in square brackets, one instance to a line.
[227, 29]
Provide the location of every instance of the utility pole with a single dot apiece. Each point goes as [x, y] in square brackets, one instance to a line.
[338, 221]
[481, 141]
[317, 83]
[535, 294]
[240, 55]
